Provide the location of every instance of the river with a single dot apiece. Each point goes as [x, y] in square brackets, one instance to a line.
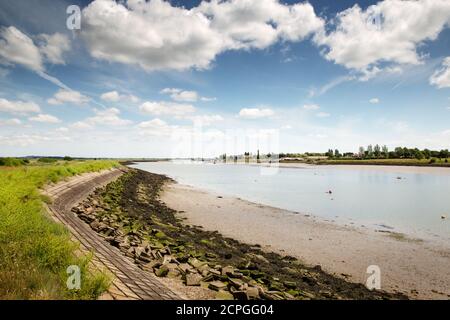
[411, 201]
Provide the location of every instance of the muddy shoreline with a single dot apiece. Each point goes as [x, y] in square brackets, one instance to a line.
[129, 215]
[416, 267]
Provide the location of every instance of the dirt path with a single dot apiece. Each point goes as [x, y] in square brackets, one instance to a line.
[130, 282]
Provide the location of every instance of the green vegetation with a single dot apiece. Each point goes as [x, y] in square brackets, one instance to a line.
[378, 152]
[374, 155]
[388, 162]
[35, 251]
[402, 237]
[47, 160]
[12, 162]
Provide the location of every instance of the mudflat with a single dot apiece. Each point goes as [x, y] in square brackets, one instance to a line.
[418, 268]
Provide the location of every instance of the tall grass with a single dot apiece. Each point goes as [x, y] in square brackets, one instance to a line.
[35, 251]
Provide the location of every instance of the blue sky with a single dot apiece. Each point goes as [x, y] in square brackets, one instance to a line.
[154, 79]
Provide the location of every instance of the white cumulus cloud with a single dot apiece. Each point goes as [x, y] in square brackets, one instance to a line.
[18, 107]
[53, 47]
[185, 95]
[68, 96]
[390, 32]
[156, 35]
[44, 118]
[17, 48]
[103, 117]
[166, 108]
[155, 127]
[181, 95]
[114, 96]
[255, 113]
[11, 122]
[441, 78]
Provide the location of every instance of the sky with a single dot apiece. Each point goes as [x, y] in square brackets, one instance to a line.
[201, 78]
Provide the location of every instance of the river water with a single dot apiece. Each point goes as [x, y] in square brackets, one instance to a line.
[390, 198]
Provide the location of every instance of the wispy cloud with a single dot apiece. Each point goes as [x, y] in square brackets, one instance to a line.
[330, 85]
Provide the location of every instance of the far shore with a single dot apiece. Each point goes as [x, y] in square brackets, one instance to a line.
[411, 166]
[415, 267]
[379, 162]
[303, 165]
[387, 168]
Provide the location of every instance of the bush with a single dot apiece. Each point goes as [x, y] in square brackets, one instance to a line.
[433, 160]
[47, 160]
[12, 162]
[67, 158]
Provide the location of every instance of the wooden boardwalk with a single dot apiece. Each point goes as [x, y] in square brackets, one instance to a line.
[130, 282]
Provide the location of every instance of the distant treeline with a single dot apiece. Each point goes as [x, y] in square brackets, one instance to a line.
[301, 155]
[15, 162]
[376, 152]
[382, 152]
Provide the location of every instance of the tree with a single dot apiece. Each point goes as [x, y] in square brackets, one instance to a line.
[407, 153]
[361, 152]
[348, 155]
[370, 151]
[377, 151]
[399, 152]
[385, 151]
[418, 154]
[329, 153]
[444, 154]
[257, 156]
[336, 153]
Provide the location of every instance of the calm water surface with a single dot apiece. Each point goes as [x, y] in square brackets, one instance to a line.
[373, 197]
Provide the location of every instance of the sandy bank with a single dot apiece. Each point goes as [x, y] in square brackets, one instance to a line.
[419, 269]
[386, 168]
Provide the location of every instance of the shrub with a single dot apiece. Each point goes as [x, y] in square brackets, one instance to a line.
[12, 162]
[47, 160]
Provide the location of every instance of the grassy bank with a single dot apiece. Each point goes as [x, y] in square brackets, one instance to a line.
[34, 250]
[380, 162]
